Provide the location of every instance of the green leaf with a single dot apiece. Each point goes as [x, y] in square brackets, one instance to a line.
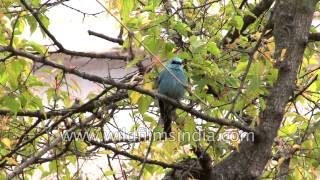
[108, 173]
[35, 3]
[45, 174]
[195, 42]
[135, 61]
[6, 142]
[50, 94]
[126, 8]
[152, 43]
[239, 104]
[53, 166]
[37, 47]
[79, 145]
[148, 8]
[32, 24]
[232, 82]
[3, 151]
[238, 21]
[213, 48]
[37, 103]
[189, 135]
[150, 168]
[144, 103]
[167, 49]
[134, 97]
[288, 130]
[24, 98]
[308, 144]
[45, 20]
[181, 28]
[155, 3]
[19, 28]
[11, 103]
[4, 78]
[297, 174]
[35, 82]
[150, 119]
[254, 84]
[72, 159]
[189, 125]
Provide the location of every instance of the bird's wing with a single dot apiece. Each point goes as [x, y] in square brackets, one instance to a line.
[185, 79]
[160, 77]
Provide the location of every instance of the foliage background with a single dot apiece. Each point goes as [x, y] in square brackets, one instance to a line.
[229, 50]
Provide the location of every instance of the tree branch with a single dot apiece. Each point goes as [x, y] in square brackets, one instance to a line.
[250, 161]
[111, 39]
[141, 159]
[62, 49]
[284, 167]
[44, 150]
[134, 87]
[260, 8]
[314, 37]
[107, 101]
[304, 88]
[88, 107]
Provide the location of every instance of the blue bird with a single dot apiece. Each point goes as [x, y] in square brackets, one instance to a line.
[168, 85]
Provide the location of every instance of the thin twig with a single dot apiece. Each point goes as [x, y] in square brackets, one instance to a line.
[111, 39]
[153, 55]
[146, 157]
[130, 86]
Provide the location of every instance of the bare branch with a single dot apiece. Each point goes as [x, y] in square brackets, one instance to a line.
[63, 49]
[84, 13]
[106, 101]
[44, 150]
[88, 107]
[314, 37]
[111, 39]
[304, 88]
[141, 159]
[260, 8]
[94, 78]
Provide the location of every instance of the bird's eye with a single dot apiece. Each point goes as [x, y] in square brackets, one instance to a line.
[176, 62]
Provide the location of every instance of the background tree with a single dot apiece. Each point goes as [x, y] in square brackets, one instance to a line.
[252, 68]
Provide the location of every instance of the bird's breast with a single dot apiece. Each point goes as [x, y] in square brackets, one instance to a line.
[169, 85]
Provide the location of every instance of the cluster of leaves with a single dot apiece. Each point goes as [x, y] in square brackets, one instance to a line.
[216, 66]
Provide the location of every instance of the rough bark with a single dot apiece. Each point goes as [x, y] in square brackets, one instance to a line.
[292, 21]
[252, 158]
[250, 161]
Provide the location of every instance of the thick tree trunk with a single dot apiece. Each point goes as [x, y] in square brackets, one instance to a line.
[292, 21]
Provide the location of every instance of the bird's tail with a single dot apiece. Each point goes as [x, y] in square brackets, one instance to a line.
[167, 115]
